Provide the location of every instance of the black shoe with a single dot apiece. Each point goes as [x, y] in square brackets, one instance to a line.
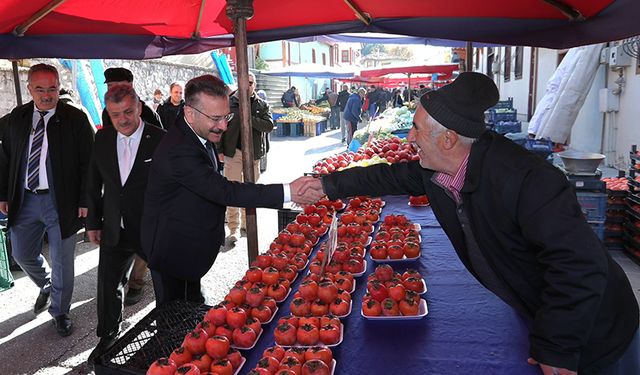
[42, 302]
[63, 324]
[243, 232]
[103, 346]
[134, 295]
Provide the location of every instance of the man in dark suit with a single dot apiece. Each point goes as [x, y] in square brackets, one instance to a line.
[117, 180]
[186, 198]
[123, 76]
[43, 163]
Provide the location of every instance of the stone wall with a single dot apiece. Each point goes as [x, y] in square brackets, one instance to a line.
[148, 76]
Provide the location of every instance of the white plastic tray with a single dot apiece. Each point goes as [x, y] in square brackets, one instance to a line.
[244, 360]
[363, 272]
[348, 312]
[254, 343]
[273, 314]
[422, 312]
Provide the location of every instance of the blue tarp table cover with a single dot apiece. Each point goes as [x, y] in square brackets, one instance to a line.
[468, 330]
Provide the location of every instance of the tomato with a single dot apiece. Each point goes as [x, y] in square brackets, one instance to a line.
[225, 330]
[321, 353]
[313, 320]
[390, 220]
[355, 202]
[411, 250]
[254, 274]
[384, 272]
[269, 363]
[293, 320]
[277, 291]
[246, 284]
[347, 218]
[297, 239]
[188, 369]
[397, 292]
[390, 307]
[270, 276]
[254, 324]
[217, 314]
[236, 317]
[244, 337]
[234, 356]
[299, 261]
[296, 352]
[259, 371]
[270, 302]
[411, 273]
[333, 266]
[378, 291]
[315, 367]
[217, 347]
[264, 261]
[300, 307]
[291, 363]
[371, 307]
[344, 284]
[378, 251]
[408, 307]
[395, 252]
[414, 284]
[410, 294]
[222, 367]
[208, 327]
[319, 308]
[339, 307]
[163, 366]
[202, 362]
[329, 334]
[314, 219]
[275, 351]
[284, 282]
[262, 313]
[327, 291]
[285, 334]
[315, 267]
[344, 275]
[180, 356]
[195, 341]
[309, 290]
[308, 334]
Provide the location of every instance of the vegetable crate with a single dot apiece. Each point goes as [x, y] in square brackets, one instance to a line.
[504, 127]
[594, 205]
[155, 336]
[286, 216]
[6, 278]
[282, 129]
[495, 116]
[297, 129]
[504, 104]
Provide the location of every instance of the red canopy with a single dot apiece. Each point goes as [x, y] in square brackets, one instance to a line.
[151, 28]
[446, 69]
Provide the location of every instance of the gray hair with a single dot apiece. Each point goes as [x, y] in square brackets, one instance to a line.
[437, 128]
[43, 68]
[117, 93]
[206, 84]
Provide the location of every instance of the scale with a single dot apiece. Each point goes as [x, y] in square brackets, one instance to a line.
[585, 181]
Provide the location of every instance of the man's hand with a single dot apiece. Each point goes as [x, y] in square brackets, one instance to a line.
[95, 236]
[550, 370]
[306, 190]
[82, 212]
[4, 207]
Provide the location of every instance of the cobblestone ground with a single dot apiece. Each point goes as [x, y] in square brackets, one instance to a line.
[29, 343]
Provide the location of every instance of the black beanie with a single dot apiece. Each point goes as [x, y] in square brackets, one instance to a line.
[460, 105]
[118, 75]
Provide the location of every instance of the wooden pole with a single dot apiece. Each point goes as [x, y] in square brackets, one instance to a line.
[16, 81]
[469, 57]
[239, 11]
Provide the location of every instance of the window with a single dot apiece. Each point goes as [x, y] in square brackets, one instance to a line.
[345, 56]
[313, 56]
[518, 67]
[324, 59]
[490, 61]
[507, 64]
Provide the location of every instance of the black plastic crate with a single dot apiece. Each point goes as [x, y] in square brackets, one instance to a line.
[286, 216]
[155, 336]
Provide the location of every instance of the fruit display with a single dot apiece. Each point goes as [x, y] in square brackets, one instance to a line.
[393, 294]
[308, 331]
[390, 120]
[309, 114]
[397, 240]
[322, 296]
[617, 183]
[419, 201]
[317, 360]
[200, 354]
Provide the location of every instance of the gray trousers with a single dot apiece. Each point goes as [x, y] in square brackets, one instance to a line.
[38, 215]
[342, 125]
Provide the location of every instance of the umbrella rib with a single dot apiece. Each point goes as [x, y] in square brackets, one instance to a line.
[196, 33]
[37, 16]
[570, 12]
[362, 16]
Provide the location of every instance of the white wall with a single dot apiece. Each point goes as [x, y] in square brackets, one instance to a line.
[518, 89]
[586, 133]
[627, 119]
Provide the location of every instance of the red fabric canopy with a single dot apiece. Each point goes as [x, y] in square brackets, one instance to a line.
[446, 69]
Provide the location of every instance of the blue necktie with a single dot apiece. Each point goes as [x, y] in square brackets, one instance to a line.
[33, 166]
[211, 152]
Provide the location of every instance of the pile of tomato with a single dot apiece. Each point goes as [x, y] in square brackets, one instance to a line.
[616, 183]
[317, 360]
[308, 330]
[390, 293]
[398, 238]
[420, 200]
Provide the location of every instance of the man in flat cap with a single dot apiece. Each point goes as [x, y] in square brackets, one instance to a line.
[123, 76]
[515, 223]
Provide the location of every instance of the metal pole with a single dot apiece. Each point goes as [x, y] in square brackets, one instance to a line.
[239, 11]
[469, 57]
[16, 81]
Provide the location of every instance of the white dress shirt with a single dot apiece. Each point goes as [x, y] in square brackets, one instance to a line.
[134, 143]
[42, 172]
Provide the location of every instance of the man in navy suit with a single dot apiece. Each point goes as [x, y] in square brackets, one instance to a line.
[186, 198]
[117, 180]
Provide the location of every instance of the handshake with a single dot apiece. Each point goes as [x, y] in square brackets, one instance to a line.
[306, 190]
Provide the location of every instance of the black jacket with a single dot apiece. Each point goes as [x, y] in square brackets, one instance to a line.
[148, 115]
[185, 204]
[530, 228]
[70, 139]
[261, 124]
[169, 112]
[108, 200]
[343, 96]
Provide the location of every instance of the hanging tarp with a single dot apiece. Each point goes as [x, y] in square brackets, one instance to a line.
[310, 71]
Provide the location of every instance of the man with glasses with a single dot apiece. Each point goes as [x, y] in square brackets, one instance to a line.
[186, 197]
[231, 146]
[44, 158]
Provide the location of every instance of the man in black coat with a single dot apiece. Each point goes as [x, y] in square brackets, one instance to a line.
[343, 96]
[186, 198]
[168, 110]
[116, 183]
[123, 76]
[43, 163]
[515, 223]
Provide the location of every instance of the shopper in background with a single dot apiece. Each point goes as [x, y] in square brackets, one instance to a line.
[353, 112]
[516, 224]
[334, 117]
[290, 98]
[157, 99]
[343, 96]
[168, 110]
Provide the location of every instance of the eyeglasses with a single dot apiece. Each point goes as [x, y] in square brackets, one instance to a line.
[216, 119]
